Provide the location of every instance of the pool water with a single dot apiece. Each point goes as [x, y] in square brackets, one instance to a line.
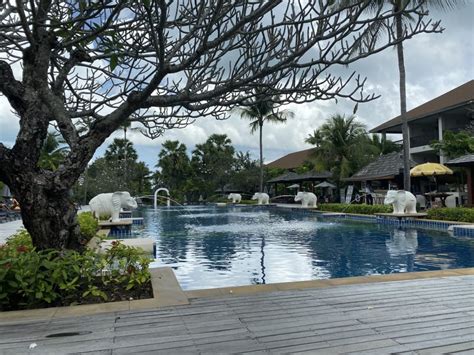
[230, 246]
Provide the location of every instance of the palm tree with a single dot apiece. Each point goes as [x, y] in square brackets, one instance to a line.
[337, 140]
[398, 7]
[122, 152]
[259, 111]
[121, 149]
[174, 164]
[51, 153]
[384, 145]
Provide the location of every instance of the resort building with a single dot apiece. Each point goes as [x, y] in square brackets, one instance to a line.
[452, 111]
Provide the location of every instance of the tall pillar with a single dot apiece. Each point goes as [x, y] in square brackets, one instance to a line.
[442, 158]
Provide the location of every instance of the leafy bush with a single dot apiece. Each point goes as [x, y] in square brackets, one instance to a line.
[354, 208]
[88, 224]
[33, 279]
[248, 202]
[217, 198]
[460, 214]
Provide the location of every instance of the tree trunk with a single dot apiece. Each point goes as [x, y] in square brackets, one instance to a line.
[403, 105]
[48, 215]
[261, 155]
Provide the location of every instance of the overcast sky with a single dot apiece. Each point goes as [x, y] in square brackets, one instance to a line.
[434, 63]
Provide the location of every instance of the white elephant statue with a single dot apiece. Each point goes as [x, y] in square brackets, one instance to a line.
[111, 203]
[261, 197]
[236, 198]
[402, 201]
[308, 199]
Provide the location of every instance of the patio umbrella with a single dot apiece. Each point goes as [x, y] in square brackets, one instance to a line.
[325, 184]
[430, 169]
[6, 192]
[294, 186]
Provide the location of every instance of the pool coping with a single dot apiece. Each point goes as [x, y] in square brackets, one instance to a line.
[167, 292]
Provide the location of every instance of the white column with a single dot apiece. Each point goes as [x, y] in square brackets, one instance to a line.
[442, 158]
[409, 142]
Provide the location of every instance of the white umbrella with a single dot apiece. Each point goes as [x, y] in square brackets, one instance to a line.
[325, 184]
[294, 186]
[6, 192]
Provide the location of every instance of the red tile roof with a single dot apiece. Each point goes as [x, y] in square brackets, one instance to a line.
[292, 160]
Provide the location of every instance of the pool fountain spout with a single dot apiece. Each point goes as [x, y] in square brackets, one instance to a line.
[156, 195]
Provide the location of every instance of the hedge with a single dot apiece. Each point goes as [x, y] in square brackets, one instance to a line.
[354, 208]
[459, 214]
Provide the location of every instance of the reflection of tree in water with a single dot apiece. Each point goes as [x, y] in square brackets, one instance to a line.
[172, 249]
[350, 250]
[218, 249]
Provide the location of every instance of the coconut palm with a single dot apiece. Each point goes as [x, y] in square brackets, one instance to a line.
[338, 140]
[398, 8]
[384, 145]
[259, 112]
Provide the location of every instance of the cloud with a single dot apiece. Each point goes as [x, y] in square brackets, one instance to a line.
[435, 64]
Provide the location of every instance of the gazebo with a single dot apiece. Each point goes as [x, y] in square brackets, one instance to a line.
[290, 178]
[466, 161]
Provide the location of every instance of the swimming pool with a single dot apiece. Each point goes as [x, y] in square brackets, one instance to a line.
[211, 246]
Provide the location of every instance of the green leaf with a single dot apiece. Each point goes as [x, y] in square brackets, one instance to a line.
[113, 61]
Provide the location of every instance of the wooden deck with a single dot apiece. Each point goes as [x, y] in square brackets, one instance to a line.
[424, 316]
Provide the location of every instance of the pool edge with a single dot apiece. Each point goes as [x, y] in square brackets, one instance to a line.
[301, 285]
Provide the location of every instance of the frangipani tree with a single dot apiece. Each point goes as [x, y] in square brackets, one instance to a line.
[86, 67]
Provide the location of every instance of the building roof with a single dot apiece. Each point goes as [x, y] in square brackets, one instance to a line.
[384, 167]
[459, 96]
[464, 160]
[292, 160]
[294, 177]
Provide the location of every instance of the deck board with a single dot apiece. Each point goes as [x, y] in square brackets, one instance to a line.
[422, 316]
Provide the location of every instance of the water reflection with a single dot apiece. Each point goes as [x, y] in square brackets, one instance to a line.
[216, 247]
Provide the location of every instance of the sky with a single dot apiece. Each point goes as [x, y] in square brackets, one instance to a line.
[435, 64]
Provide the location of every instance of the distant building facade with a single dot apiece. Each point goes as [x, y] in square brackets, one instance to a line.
[453, 111]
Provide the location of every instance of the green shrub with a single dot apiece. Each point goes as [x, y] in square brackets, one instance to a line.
[33, 279]
[248, 202]
[460, 214]
[88, 225]
[217, 198]
[354, 208]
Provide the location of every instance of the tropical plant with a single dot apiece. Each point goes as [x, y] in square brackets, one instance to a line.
[384, 145]
[340, 140]
[455, 144]
[46, 278]
[246, 172]
[212, 163]
[52, 153]
[120, 150]
[174, 164]
[260, 110]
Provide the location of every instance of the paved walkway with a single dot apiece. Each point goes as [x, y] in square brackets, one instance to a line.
[424, 316]
[9, 228]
